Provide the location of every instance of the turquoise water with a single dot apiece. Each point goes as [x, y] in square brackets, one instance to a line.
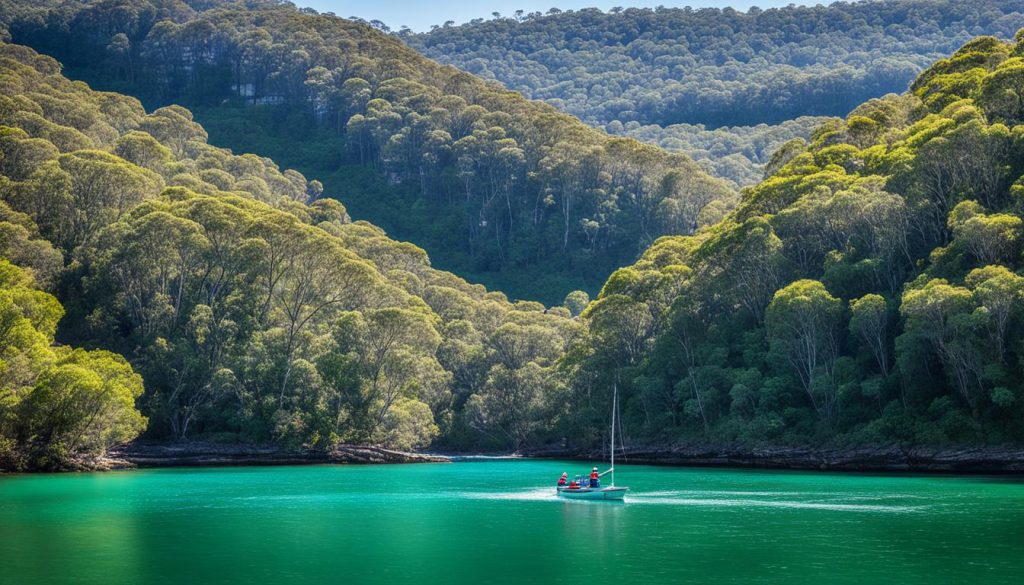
[497, 522]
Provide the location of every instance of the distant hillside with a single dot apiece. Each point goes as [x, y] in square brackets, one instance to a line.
[668, 66]
[738, 154]
[505, 189]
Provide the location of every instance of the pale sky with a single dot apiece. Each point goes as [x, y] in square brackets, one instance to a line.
[420, 14]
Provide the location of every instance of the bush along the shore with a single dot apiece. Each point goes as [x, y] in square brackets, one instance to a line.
[57, 404]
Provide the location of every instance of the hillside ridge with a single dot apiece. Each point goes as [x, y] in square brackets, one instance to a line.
[493, 185]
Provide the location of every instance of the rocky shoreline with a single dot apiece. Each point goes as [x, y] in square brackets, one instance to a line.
[199, 454]
[963, 460]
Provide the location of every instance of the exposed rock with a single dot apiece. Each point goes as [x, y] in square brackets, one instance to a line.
[213, 454]
[369, 454]
[878, 458]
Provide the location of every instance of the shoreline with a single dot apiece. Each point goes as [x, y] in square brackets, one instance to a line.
[1007, 460]
[201, 454]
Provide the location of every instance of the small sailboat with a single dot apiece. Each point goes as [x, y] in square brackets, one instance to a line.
[611, 492]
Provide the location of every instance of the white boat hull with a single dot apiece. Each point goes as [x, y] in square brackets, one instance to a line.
[588, 493]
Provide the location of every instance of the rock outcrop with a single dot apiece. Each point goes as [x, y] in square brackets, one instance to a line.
[880, 458]
[213, 454]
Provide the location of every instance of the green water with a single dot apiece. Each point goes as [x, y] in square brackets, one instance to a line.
[497, 522]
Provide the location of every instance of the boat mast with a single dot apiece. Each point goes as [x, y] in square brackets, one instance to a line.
[615, 407]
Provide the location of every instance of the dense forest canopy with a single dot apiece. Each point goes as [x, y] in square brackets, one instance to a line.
[55, 401]
[738, 154]
[253, 308]
[674, 68]
[490, 183]
[868, 292]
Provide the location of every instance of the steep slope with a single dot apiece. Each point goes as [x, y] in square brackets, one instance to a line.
[869, 292]
[252, 308]
[678, 66]
[490, 183]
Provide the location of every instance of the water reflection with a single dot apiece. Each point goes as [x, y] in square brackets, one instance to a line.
[499, 522]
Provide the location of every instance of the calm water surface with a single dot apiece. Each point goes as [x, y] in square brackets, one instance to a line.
[497, 522]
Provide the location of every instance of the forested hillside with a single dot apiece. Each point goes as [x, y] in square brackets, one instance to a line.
[492, 185]
[869, 292]
[738, 154]
[253, 309]
[661, 67]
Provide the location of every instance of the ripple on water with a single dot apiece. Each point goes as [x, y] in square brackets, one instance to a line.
[740, 499]
[757, 503]
[534, 494]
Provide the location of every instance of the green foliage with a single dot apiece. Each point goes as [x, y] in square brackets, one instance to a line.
[576, 302]
[83, 403]
[868, 290]
[716, 67]
[725, 87]
[409, 425]
[250, 308]
[802, 323]
[742, 155]
[502, 188]
[56, 403]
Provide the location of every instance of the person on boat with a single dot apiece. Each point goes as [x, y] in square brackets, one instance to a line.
[563, 479]
[595, 478]
[574, 485]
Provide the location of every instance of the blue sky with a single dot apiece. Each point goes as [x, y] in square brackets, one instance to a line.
[420, 14]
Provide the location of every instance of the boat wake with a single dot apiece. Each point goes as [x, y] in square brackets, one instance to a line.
[533, 494]
[760, 499]
[727, 499]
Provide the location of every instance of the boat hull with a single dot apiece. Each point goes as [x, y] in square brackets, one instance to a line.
[587, 493]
